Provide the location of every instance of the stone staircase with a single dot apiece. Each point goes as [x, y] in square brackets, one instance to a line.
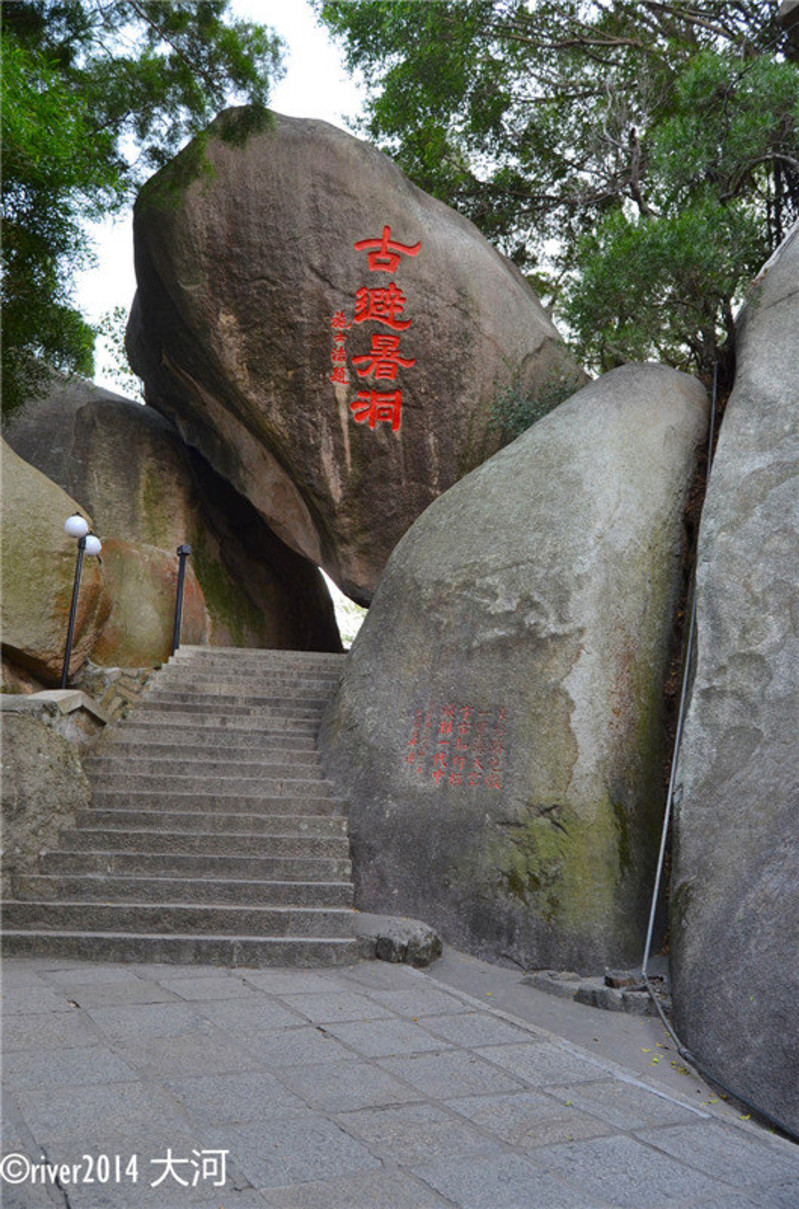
[212, 835]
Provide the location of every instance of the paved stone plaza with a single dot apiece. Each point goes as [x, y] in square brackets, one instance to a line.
[372, 1086]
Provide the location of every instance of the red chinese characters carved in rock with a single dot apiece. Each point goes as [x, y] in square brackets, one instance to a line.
[459, 745]
[385, 305]
[383, 359]
[377, 407]
[384, 254]
[338, 356]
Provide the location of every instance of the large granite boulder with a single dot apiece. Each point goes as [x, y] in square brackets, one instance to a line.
[39, 572]
[500, 724]
[331, 338]
[142, 581]
[735, 910]
[129, 468]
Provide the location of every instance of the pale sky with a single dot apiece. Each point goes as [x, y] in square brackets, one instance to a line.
[315, 86]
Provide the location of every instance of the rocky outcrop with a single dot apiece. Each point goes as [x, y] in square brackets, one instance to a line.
[128, 467]
[43, 786]
[142, 581]
[39, 572]
[331, 338]
[499, 725]
[735, 917]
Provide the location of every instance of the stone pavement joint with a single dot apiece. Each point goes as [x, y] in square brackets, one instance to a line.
[368, 1086]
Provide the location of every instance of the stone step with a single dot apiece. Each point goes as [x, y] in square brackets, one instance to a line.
[295, 787]
[124, 799]
[203, 753]
[220, 703]
[272, 716]
[263, 683]
[230, 951]
[290, 843]
[158, 720]
[199, 865]
[208, 821]
[196, 740]
[257, 657]
[203, 918]
[116, 888]
[120, 764]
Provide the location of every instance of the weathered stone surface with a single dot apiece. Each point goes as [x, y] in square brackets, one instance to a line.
[397, 939]
[240, 275]
[142, 581]
[735, 912]
[499, 726]
[38, 575]
[129, 468]
[43, 787]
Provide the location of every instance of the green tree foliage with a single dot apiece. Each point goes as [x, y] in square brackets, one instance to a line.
[639, 160]
[95, 95]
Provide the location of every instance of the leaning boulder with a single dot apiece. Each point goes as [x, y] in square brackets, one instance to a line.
[139, 631]
[331, 338]
[129, 467]
[499, 726]
[735, 913]
[38, 575]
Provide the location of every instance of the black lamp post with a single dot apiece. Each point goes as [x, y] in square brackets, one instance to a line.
[183, 554]
[77, 526]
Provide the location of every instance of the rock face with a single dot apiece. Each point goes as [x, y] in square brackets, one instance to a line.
[500, 723]
[129, 468]
[331, 338]
[142, 581]
[38, 575]
[735, 925]
[43, 788]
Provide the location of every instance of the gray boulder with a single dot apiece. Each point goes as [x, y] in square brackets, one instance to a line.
[38, 575]
[331, 338]
[499, 728]
[129, 467]
[735, 910]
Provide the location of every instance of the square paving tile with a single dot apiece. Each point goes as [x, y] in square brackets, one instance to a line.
[33, 1000]
[628, 1105]
[76, 1067]
[628, 1174]
[386, 1038]
[117, 994]
[529, 1119]
[141, 1022]
[503, 1182]
[343, 1086]
[256, 1013]
[297, 1149]
[475, 1029]
[334, 1007]
[727, 1152]
[374, 1190]
[293, 1048]
[416, 1133]
[210, 986]
[420, 1000]
[542, 1062]
[234, 1098]
[61, 1030]
[208, 1053]
[83, 1114]
[451, 1073]
[289, 982]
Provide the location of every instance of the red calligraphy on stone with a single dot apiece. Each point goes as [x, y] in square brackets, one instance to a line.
[383, 359]
[384, 254]
[378, 408]
[382, 305]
